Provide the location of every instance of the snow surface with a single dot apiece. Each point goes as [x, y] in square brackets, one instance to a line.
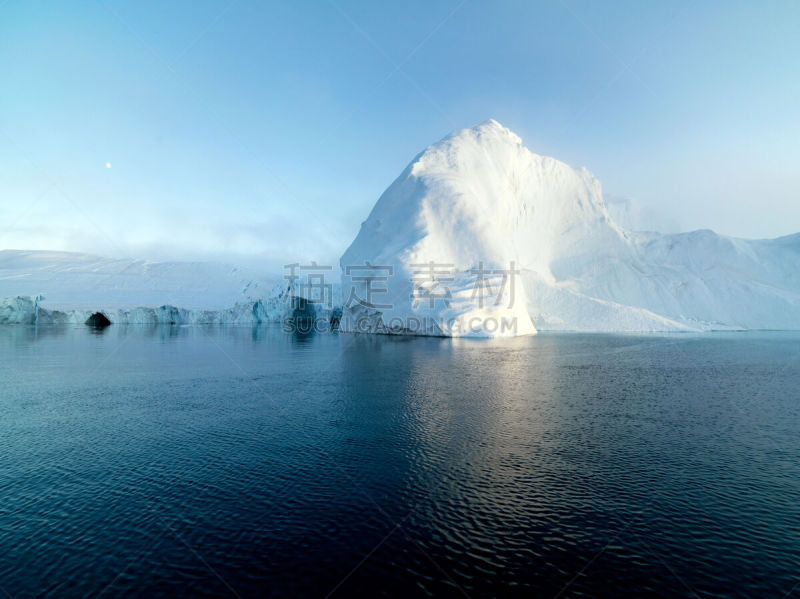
[479, 200]
[82, 281]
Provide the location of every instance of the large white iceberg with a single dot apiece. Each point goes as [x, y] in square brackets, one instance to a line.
[481, 237]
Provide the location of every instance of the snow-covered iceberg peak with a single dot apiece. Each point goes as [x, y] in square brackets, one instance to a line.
[456, 230]
[479, 236]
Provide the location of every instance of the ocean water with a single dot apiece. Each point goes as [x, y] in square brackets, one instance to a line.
[192, 461]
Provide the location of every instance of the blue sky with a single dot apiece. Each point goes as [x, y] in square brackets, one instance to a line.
[268, 130]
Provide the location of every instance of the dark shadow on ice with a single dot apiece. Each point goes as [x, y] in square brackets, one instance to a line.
[98, 321]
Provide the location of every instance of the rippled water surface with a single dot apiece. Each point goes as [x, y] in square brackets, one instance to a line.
[238, 462]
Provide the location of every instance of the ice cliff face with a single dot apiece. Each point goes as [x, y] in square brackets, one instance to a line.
[74, 286]
[478, 231]
[26, 310]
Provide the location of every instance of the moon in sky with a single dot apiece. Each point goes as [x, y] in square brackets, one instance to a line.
[108, 165]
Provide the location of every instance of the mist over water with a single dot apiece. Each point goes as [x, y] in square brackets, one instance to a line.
[214, 461]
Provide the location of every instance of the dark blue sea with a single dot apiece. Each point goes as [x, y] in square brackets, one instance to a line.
[239, 462]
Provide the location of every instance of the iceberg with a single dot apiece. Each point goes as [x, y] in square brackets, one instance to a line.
[278, 309]
[479, 236]
[46, 287]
